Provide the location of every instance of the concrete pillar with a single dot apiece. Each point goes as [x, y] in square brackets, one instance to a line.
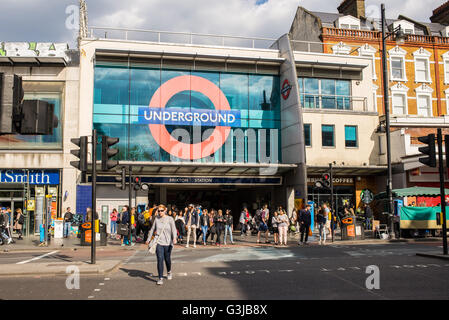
[163, 195]
[290, 203]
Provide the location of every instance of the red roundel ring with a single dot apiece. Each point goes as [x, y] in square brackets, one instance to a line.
[186, 150]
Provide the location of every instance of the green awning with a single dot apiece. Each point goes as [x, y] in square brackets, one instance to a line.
[412, 192]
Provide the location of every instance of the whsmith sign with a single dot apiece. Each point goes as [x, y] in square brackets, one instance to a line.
[36, 176]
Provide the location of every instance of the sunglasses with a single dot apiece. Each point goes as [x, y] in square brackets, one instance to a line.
[161, 210]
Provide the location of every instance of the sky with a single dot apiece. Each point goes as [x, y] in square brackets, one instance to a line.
[53, 20]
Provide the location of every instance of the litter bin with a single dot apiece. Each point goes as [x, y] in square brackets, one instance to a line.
[348, 228]
[103, 234]
[86, 234]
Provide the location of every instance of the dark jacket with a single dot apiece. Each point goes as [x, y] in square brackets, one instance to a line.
[229, 220]
[124, 217]
[204, 220]
[68, 217]
[368, 212]
[320, 218]
[195, 218]
[219, 221]
[305, 217]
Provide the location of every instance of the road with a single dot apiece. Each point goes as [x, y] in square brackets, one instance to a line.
[306, 272]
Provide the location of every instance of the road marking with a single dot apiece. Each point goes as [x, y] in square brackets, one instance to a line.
[90, 297]
[37, 258]
[97, 290]
[106, 279]
[101, 284]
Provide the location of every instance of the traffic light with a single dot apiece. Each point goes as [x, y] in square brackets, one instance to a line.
[30, 117]
[326, 180]
[107, 152]
[137, 183]
[121, 178]
[80, 153]
[429, 150]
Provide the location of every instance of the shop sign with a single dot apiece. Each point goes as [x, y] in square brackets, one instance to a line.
[336, 180]
[37, 177]
[31, 205]
[366, 196]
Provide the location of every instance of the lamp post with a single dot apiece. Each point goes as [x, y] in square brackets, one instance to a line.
[399, 36]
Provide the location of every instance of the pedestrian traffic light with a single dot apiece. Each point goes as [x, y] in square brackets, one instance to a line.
[428, 150]
[80, 153]
[121, 178]
[107, 152]
[29, 117]
[326, 180]
[137, 183]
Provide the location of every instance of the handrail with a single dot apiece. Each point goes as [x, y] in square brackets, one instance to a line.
[191, 35]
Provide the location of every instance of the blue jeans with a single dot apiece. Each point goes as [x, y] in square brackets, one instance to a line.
[226, 233]
[368, 224]
[163, 253]
[113, 227]
[204, 230]
[67, 227]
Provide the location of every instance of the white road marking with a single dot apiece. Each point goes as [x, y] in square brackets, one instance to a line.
[90, 297]
[97, 290]
[101, 284]
[37, 258]
[106, 279]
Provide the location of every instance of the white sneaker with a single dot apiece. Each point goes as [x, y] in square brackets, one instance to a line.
[9, 240]
[194, 245]
[160, 282]
[169, 276]
[187, 246]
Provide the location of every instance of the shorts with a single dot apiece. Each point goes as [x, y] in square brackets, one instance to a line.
[275, 230]
[328, 224]
[263, 227]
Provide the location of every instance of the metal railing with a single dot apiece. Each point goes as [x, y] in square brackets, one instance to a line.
[180, 37]
[333, 102]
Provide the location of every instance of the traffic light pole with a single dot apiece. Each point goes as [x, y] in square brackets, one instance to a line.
[332, 200]
[443, 197]
[130, 168]
[94, 195]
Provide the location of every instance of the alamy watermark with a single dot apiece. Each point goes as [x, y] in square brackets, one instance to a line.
[73, 278]
[373, 280]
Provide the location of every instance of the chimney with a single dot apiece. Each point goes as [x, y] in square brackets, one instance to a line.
[441, 14]
[355, 8]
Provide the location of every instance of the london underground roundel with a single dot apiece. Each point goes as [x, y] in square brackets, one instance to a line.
[189, 151]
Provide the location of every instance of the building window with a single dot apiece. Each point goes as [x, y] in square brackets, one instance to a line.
[325, 93]
[344, 26]
[422, 69]
[399, 103]
[397, 68]
[424, 105]
[327, 135]
[351, 136]
[308, 135]
[446, 71]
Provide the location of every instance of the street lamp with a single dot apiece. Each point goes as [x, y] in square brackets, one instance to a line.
[400, 38]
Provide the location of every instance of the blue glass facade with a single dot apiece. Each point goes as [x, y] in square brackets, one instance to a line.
[122, 92]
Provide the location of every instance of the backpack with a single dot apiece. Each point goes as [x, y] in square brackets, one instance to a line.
[258, 216]
[21, 219]
[140, 219]
[2, 220]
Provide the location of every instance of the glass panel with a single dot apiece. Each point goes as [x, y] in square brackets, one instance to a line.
[343, 89]
[398, 104]
[311, 86]
[396, 68]
[350, 136]
[327, 135]
[307, 135]
[328, 94]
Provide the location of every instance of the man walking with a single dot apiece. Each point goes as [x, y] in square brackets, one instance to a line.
[244, 219]
[228, 226]
[68, 218]
[305, 220]
[368, 217]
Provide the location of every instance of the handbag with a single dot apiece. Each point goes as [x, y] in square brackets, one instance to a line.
[122, 229]
[153, 243]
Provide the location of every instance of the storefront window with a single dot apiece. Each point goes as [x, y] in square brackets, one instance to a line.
[122, 98]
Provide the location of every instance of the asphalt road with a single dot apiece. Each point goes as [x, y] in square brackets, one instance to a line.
[310, 272]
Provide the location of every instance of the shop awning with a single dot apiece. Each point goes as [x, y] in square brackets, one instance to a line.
[412, 192]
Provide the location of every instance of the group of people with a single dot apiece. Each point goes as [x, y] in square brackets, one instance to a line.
[5, 225]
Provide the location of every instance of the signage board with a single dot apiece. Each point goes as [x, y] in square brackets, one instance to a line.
[37, 177]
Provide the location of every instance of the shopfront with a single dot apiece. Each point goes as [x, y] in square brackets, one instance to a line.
[194, 135]
[34, 191]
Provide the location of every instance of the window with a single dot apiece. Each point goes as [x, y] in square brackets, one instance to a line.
[344, 26]
[408, 31]
[422, 69]
[397, 70]
[325, 93]
[307, 135]
[446, 71]
[327, 135]
[399, 104]
[424, 105]
[351, 136]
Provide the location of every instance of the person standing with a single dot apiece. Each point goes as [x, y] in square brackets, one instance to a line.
[282, 226]
[263, 223]
[180, 226]
[328, 215]
[164, 227]
[68, 218]
[368, 217]
[219, 222]
[113, 217]
[274, 224]
[305, 221]
[229, 226]
[19, 221]
[124, 219]
[192, 221]
[244, 219]
[204, 224]
[321, 221]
